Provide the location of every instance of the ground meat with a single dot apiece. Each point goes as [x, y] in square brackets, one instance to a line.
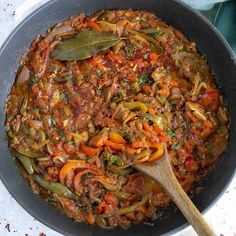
[135, 184]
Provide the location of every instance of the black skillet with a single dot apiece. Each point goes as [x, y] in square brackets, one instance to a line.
[209, 42]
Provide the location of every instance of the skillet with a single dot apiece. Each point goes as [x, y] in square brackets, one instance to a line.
[197, 29]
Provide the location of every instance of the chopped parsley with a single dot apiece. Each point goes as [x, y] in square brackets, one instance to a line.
[112, 73]
[72, 142]
[34, 80]
[145, 79]
[170, 132]
[53, 121]
[115, 160]
[129, 52]
[99, 73]
[63, 96]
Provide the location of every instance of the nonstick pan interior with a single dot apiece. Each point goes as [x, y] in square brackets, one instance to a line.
[175, 13]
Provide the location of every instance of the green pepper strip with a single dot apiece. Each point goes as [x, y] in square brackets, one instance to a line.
[127, 210]
[152, 31]
[29, 153]
[26, 162]
[58, 188]
[150, 39]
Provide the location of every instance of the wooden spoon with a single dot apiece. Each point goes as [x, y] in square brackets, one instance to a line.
[162, 173]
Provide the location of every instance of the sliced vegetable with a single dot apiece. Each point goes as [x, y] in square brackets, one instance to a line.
[54, 187]
[23, 76]
[136, 106]
[90, 151]
[116, 138]
[78, 176]
[157, 154]
[74, 164]
[108, 183]
[114, 146]
[150, 39]
[26, 162]
[29, 153]
[126, 210]
[115, 160]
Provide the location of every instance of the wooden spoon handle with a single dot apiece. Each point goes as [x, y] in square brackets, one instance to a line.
[163, 174]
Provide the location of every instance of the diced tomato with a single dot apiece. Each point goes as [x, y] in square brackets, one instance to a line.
[165, 92]
[188, 161]
[153, 57]
[90, 218]
[110, 198]
[210, 99]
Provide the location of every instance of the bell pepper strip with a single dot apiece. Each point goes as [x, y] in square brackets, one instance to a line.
[157, 154]
[57, 188]
[78, 176]
[161, 134]
[90, 151]
[130, 150]
[94, 25]
[126, 210]
[114, 146]
[26, 162]
[142, 157]
[108, 183]
[149, 129]
[116, 138]
[207, 124]
[136, 106]
[74, 164]
[130, 117]
[98, 141]
[139, 144]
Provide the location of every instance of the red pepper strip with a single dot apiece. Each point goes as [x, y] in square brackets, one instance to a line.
[78, 176]
[94, 25]
[139, 144]
[114, 146]
[90, 151]
[149, 129]
[161, 134]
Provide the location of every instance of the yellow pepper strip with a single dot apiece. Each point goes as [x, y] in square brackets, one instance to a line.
[116, 138]
[74, 164]
[130, 117]
[157, 120]
[136, 105]
[142, 157]
[156, 155]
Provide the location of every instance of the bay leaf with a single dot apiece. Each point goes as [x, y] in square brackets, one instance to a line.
[84, 45]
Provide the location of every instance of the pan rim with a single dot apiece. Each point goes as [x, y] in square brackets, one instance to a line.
[41, 8]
